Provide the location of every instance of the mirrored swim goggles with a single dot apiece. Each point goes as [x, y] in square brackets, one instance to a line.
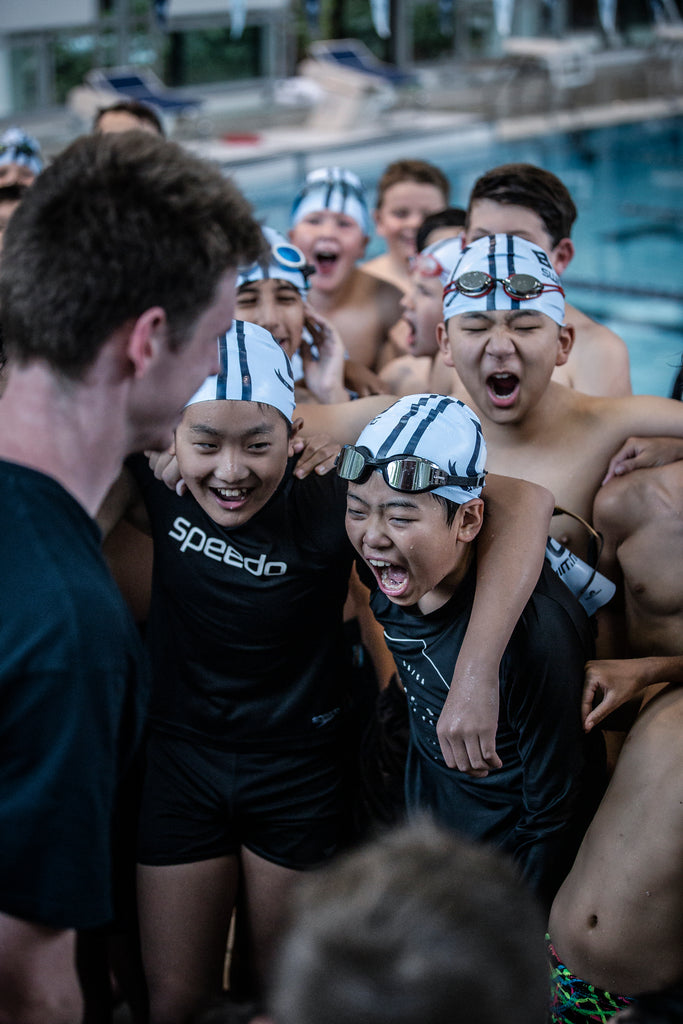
[407, 473]
[475, 284]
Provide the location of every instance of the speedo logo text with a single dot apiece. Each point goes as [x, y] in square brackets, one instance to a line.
[192, 538]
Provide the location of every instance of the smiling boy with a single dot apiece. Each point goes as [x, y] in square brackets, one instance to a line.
[243, 768]
[243, 762]
[272, 292]
[407, 192]
[414, 511]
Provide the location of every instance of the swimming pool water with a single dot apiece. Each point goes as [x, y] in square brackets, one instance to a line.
[627, 183]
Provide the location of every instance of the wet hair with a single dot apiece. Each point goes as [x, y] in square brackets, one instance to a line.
[415, 926]
[117, 223]
[141, 111]
[419, 171]
[450, 508]
[449, 217]
[530, 186]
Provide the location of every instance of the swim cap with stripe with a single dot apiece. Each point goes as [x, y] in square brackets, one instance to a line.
[500, 256]
[278, 263]
[17, 147]
[336, 189]
[254, 368]
[434, 427]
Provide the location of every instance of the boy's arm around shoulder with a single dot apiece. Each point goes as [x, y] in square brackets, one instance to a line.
[343, 421]
[628, 416]
[510, 553]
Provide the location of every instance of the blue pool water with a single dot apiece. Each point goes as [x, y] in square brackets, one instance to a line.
[627, 183]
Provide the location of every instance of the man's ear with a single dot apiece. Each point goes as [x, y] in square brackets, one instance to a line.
[146, 339]
[297, 424]
[471, 518]
[562, 255]
[444, 344]
[566, 342]
[379, 229]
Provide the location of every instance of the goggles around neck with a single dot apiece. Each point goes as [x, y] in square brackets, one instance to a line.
[408, 473]
[475, 284]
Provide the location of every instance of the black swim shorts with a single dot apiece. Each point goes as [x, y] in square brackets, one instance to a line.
[200, 802]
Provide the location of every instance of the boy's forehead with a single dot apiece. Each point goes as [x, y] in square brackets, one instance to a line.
[231, 414]
[489, 217]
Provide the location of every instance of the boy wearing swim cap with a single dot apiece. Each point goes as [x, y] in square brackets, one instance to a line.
[529, 201]
[423, 369]
[331, 224]
[414, 511]
[504, 333]
[20, 158]
[245, 633]
[273, 293]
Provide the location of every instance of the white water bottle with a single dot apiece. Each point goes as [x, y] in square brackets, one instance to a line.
[592, 589]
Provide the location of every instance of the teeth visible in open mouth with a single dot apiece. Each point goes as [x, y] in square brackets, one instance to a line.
[503, 384]
[393, 577]
[230, 493]
[325, 256]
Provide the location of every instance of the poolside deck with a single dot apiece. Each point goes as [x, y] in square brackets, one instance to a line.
[523, 93]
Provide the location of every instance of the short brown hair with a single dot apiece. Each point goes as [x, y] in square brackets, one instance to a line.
[531, 186]
[116, 224]
[412, 170]
[405, 930]
[142, 111]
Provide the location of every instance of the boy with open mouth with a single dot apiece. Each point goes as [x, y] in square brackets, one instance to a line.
[331, 224]
[414, 512]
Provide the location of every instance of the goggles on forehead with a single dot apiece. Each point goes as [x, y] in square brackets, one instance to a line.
[289, 256]
[408, 473]
[475, 284]
[427, 265]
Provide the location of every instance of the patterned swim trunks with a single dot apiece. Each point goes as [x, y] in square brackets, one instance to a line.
[576, 1002]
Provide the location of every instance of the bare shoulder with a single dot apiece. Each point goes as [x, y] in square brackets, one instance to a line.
[599, 362]
[645, 491]
[407, 375]
[385, 296]
[382, 268]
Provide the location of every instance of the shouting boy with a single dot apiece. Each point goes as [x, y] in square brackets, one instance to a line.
[331, 224]
[414, 511]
